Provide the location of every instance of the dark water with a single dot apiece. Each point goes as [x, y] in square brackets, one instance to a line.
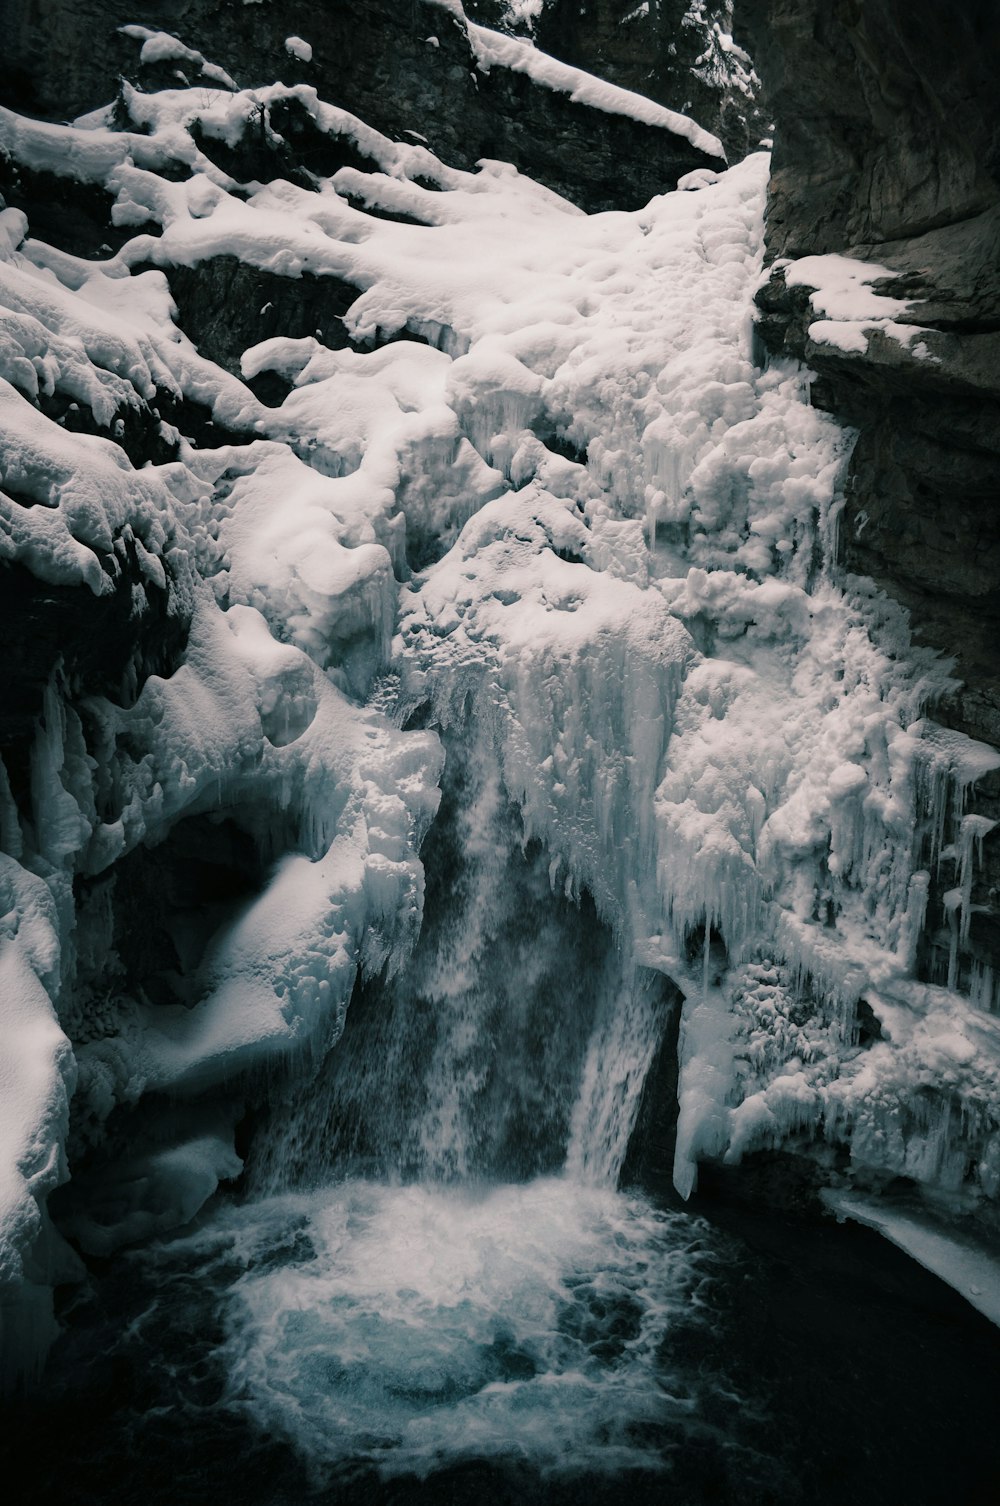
[544, 1343]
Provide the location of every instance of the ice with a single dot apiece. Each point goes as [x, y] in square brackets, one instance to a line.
[789, 793]
[314, 568]
[78, 495]
[571, 523]
[705, 1057]
[278, 980]
[581, 674]
[151, 1191]
[962, 1262]
[37, 1077]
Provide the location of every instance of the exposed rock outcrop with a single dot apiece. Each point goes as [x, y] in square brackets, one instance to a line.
[408, 70]
[888, 149]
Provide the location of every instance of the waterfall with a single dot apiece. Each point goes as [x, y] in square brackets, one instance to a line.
[627, 1032]
[564, 818]
[436, 1264]
[515, 1044]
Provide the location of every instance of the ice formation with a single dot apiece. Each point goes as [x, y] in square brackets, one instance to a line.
[624, 533]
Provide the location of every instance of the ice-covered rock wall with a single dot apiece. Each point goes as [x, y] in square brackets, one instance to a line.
[884, 212]
[270, 364]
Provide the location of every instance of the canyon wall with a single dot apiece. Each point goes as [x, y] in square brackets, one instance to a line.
[887, 150]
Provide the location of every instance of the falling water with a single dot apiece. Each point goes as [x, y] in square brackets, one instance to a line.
[628, 1030]
[466, 1280]
[467, 1066]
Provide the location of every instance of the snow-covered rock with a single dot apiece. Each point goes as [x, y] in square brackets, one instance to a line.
[570, 508]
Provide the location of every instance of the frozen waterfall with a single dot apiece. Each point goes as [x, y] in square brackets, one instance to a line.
[515, 702]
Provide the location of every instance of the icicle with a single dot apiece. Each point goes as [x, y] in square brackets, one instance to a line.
[60, 826]
[913, 919]
[971, 834]
[11, 840]
[952, 901]
[981, 985]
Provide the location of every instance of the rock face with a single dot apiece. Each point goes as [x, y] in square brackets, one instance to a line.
[408, 70]
[887, 149]
[676, 52]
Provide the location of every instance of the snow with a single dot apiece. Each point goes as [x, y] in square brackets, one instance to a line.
[702, 177]
[494, 49]
[851, 311]
[571, 511]
[278, 979]
[971, 1269]
[297, 48]
[161, 47]
[525, 12]
[80, 493]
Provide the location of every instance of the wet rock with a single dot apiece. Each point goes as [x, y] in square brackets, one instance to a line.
[649, 1160]
[73, 216]
[226, 306]
[99, 645]
[888, 149]
[886, 117]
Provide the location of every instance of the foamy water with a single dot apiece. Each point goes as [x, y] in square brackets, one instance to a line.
[412, 1327]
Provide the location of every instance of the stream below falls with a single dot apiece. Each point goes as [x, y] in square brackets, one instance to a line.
[375, 1343]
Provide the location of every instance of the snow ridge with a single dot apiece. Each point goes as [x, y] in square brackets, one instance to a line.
[495, 48]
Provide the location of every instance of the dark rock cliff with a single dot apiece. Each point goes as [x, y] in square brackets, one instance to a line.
[887, 149]
[406, 69]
